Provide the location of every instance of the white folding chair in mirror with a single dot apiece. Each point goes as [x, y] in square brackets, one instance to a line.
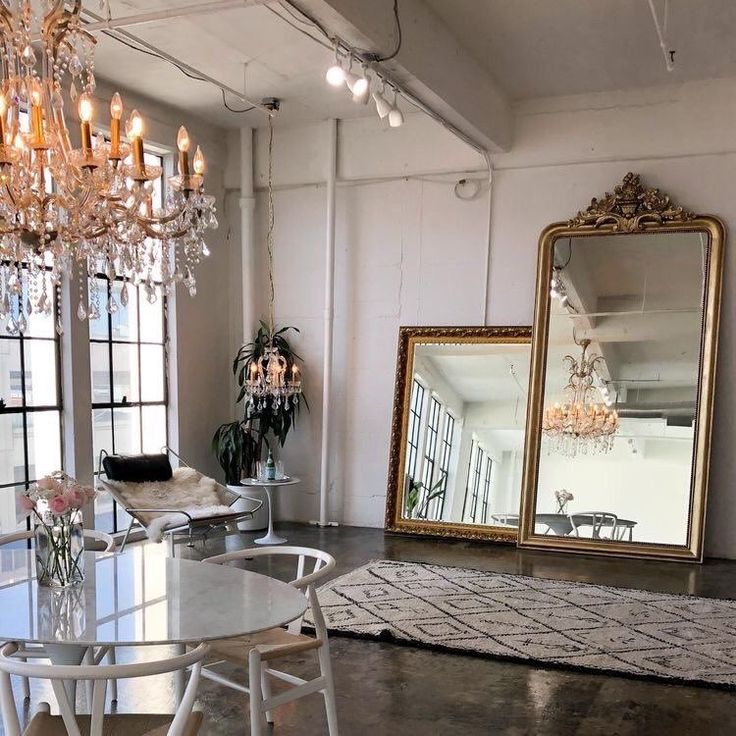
[185, 722]
[598, 521]
[96, 541]
[258, 652]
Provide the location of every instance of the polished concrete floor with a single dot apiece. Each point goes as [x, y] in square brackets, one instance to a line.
[386, 689]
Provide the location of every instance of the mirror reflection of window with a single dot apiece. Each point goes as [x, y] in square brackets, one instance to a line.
[465, 433]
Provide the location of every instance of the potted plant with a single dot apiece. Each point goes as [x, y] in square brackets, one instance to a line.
[239, 445]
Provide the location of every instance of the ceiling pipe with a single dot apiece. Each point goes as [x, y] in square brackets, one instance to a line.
[141, 18]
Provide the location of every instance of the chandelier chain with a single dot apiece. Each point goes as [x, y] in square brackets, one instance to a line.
[270, 235]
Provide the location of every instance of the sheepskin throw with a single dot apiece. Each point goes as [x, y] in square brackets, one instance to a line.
[188, 490]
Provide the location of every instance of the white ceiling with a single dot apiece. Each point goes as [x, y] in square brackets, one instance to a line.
[532, 48]
[541, 48]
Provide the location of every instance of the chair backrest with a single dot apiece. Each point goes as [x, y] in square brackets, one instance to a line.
[100, 674]
[595, 519]
[101, 541]
[322, 564]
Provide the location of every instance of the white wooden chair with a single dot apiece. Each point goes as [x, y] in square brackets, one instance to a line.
[99, 542]
[258, 652]
[597, 520]
[185, 722]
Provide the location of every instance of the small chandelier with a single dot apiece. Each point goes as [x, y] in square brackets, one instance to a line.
[270, 380]
[581, 425]
[90, 206]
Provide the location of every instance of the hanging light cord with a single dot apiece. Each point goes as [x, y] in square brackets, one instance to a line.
[269, 237]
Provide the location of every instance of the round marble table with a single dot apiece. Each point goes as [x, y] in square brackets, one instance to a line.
[139, 597]
[268, 486]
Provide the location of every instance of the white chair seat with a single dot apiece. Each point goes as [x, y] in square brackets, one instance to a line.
[272, 643]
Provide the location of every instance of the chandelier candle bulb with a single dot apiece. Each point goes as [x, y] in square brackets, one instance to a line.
[116, 112]
[199, 162]
[182, 143]
[85, 116]
[37, 115]
[135, 133]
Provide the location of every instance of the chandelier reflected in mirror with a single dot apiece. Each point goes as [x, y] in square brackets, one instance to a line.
[580, 425]
[87, 208]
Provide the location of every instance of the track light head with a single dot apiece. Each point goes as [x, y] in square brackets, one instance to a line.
[383, 106]
[395, 117]
[335, 75]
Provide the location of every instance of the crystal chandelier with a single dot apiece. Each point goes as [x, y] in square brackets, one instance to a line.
[90, 207]
[270, 379]
[581, 425]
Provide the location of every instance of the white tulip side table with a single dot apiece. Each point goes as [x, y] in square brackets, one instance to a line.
[269, 486]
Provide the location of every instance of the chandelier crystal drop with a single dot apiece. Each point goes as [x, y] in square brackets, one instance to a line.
[270, 379]
[581, 425]
[88, 208]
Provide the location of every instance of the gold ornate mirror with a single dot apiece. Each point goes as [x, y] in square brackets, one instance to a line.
[458, 431]
[623, 370]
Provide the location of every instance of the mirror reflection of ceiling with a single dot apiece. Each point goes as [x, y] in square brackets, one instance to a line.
[638, 298]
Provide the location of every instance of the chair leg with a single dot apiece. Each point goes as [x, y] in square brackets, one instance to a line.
[112, 659]
[25, 683]
[172, 548]
[325, 666]
[89, 658]
[266, 690]
[256, 696]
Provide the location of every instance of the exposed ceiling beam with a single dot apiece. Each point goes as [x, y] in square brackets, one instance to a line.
[432, 64]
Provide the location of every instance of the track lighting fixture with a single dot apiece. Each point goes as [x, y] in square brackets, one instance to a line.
[361, 88]
[383, 106]
[395, 116]
[335, 75]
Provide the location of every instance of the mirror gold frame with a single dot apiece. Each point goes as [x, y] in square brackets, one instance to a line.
[631, 209]
[409, 338]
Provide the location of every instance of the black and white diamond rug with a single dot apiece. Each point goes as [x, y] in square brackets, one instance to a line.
[550, 622]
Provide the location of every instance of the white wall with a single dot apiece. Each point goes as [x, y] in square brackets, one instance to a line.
[410, 252]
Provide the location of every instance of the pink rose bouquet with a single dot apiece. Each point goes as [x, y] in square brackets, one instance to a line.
[55, 501]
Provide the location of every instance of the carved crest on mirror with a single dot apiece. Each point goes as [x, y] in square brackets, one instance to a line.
[630, 208]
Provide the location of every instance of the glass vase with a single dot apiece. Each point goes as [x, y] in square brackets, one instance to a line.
[59, 547]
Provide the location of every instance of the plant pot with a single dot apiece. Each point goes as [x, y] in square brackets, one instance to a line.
[260, 518]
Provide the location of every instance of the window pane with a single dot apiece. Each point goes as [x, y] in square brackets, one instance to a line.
[11, 516]
[12, 462]
[127, 430]
[152, 319]
[125, 319]
[11, 387]
[101, 432]
[44, 443]
[152, 373]
[154, 428]
[99, 358]
[104, 512]
[40, 325]
[125, 373]
[41, 376]
[99, 328]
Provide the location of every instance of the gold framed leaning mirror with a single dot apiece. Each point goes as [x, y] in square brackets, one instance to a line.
[457, 436]
[623, 371]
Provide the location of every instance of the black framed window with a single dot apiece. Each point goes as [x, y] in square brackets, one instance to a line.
[128, 371]
[486, 491]
[448, 436]
[415, 428]
[30, 403]
[473, 486]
